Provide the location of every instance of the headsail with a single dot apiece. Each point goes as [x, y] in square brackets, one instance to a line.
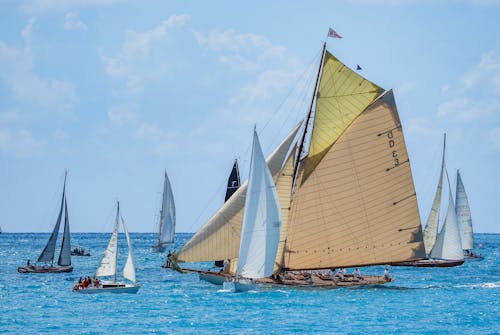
[48, 252]
[128, 269]
[65, 255]
[356, 203]
[107, 267]
[262, 220]
[233, 182]
[166, 232]
[219, 238]
[448, 245]
[463, 215]
[431, 227]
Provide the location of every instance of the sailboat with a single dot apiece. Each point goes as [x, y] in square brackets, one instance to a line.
[47, 255]
[261, 228]
[166, 224]
[108, 267]
[345, 188]
[465, 221]
[443, 249]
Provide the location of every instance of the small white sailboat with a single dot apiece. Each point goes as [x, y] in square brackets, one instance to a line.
[465, 221]
[443, 249]
[166, 224]
[261, 228]
[47, 255]
[108, 267]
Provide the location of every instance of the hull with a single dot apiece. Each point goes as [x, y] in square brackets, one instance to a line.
[109, 288]
[430, 263]
[43, 269]
[473, 257]
[79, 254]
[243, 285]
[291, 279]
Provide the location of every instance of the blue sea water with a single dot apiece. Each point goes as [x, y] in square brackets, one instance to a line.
[460, 300]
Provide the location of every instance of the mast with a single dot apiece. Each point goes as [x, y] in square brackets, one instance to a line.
[309, 114]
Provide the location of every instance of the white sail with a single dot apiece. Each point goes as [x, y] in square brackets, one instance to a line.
[463, 215]
[107, 267]
[167, 215]
[128, 269]
[431, 227]
[448, 245]
[262, 220]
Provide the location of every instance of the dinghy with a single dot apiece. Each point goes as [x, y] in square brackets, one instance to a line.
[47, 255]
[108, 267]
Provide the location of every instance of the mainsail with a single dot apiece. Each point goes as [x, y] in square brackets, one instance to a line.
[48, 252]
[448, 245]
[431, 227]
[355, 202]
[262, 220]
[166, 228]
[107, 267]
[233, 182]
[463, 215]
[219, 238]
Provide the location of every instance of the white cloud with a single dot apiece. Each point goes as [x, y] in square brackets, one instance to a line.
[495, 137]
[73, 22]
[123, 115]
[48, 95]
[20, 143]
[477, 95]
[27, 31]
[421, 127]
[245, 52]
[137, 47]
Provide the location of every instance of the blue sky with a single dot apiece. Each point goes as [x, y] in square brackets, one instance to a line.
[117, 91]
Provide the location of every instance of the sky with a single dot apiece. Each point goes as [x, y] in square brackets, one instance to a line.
[116, 92]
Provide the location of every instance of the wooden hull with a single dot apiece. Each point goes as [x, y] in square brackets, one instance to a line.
[109, 288]
[43, 269]
[431, 263]
[298, 280]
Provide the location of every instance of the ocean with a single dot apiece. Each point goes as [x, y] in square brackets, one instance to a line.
[459, 300]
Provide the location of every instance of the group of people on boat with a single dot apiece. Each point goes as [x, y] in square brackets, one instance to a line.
[79, 252]
[87, 282]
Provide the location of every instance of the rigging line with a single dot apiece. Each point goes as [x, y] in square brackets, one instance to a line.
[347, 95]
[395, 166]
[405, 198]
[390, 130]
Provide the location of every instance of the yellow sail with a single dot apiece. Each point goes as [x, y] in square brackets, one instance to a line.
[357, 205]
[219, 238]
[342, 96]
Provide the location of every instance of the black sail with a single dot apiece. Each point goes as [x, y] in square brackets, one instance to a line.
[233, 182]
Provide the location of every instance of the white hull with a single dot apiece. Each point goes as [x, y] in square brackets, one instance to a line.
[110, 288]
[243, 285]
[215, 279]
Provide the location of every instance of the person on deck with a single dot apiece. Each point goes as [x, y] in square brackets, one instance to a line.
[357, 273]
[226, 266]
[333, 274]
[387, 276]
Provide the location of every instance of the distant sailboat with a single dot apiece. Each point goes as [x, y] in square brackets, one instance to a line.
[465, 221]
[261, 228]
[108, 267]
[233, 182]
[47, 255]
[166, 224]
[347, 200]
[443, 249]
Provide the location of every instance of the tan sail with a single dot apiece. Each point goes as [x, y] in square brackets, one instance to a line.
[219, 238]
[284, 183]
[342, 96]
[357, 205]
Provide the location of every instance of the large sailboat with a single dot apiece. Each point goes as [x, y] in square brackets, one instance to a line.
[166, 223]
[347, 195]
[108, 267]
[443, 249]
[48, 253]
[465, 221]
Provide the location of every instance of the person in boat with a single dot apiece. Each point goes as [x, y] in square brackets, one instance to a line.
[168, 259]
[387, 276]
[357, 274]
[226, 266]
[341, 274]
[333, 274]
